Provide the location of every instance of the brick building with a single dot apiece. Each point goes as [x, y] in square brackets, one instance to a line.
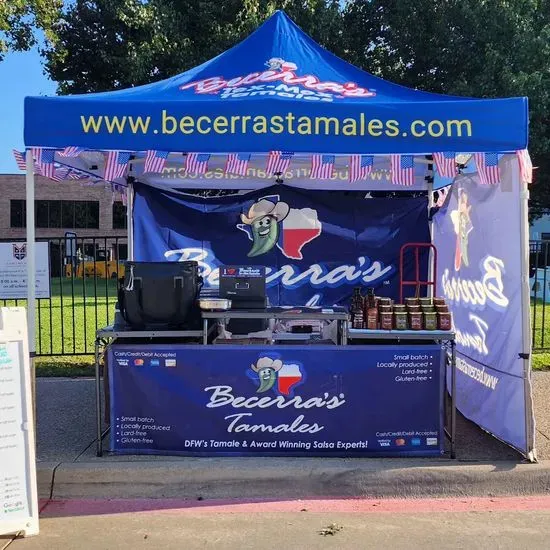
[61, 208]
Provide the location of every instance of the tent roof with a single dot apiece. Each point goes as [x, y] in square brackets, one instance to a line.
[276, 90]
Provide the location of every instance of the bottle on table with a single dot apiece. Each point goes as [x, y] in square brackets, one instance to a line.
[356, 309]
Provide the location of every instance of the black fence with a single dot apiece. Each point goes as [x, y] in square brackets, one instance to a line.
[83, 284]
[539, 283]
[84, 273]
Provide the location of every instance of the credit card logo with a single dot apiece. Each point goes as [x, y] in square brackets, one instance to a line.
[170, 362]
[138, 362]
[155, 363]
[122, 362]
[384, 442]
[400, 442]
[415, 441]
[431, 441]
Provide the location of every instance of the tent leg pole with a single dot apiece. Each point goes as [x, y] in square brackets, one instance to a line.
[130, 219]
[31, 269]
[526, 321]
[431, 288]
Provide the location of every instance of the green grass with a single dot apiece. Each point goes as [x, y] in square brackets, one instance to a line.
[68, 332]
[73, 348]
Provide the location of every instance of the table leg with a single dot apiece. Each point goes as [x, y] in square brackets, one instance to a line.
[99, 450]
[453, 400]
[205, 331]
[344, 337]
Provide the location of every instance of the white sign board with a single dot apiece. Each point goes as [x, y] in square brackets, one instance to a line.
[13, 270]
[18, 490]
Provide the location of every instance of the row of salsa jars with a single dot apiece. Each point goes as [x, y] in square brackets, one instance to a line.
[376, 312]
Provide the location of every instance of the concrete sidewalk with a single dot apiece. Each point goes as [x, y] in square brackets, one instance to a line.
[68, 467]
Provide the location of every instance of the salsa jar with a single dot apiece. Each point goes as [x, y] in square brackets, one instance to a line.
[425, 301]
[430, 321]
[400, 320]
[386, 320]
[439, 301]
[415, 320]
[412, 301]
[442, 308]
[444, 321]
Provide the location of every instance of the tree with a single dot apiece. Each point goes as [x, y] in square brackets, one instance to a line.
[109, 44]
[490, 48]
[20, 18]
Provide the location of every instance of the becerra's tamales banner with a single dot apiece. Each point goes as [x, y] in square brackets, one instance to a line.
[277, 400]
[316, 245]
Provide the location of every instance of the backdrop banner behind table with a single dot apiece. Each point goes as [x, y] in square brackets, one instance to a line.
[317, 245]
[299, 400]
[477, 234]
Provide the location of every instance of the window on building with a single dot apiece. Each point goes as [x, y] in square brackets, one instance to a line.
[56, 214]
[545, 236]
[119, 216]
[18, 213]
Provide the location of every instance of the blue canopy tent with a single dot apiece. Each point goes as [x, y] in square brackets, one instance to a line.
[277, 90]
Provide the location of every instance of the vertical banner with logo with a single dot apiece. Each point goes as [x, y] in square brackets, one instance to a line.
[316, 245]
[277, 400]
[477, 233]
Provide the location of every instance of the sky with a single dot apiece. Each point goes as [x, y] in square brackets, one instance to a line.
[21, 74]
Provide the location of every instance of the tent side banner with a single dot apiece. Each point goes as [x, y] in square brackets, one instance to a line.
[478, 236]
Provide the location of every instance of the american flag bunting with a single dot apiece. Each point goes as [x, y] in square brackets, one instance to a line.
[71, 151]
[44, 159]
[445, 164]
[487, 168]
[278, 162]
[20, 160]
[360, 166]
[322, 166]
[116, 164]
[402, 170]
[237, 163]
[155, 161]
[525, 166]
[197, 163]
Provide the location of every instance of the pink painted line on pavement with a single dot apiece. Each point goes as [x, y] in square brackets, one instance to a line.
[86, 507]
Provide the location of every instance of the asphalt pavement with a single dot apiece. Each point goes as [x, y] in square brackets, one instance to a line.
[428, 524]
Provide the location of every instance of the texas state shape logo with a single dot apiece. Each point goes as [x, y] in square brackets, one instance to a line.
[271, 373]
[270, 222]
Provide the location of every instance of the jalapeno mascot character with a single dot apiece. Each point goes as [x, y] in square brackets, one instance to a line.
[264, 217]
[267, 369]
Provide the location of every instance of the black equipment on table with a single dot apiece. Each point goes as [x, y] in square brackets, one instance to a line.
[161, 295]
[244, 285]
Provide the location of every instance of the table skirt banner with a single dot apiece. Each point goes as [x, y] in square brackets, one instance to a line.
[277, 400]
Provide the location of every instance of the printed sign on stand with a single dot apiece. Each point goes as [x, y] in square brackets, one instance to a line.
[13, 270]
[18, 491]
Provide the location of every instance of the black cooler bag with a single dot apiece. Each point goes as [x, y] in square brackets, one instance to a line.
[160, 295]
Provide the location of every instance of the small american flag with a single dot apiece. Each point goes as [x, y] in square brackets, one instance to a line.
[44, 159]
[525, 166]
[446, 164]
[155, 161]
[116, 164]
[197, 163]
[322, 166]
[402, 169]
[71, 151]
[20, 159]
[487, 168]
[237, 163]
[360, 166]
[278, 162]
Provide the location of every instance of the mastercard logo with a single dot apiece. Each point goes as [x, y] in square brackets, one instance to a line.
[400, 442]
[138, 362]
